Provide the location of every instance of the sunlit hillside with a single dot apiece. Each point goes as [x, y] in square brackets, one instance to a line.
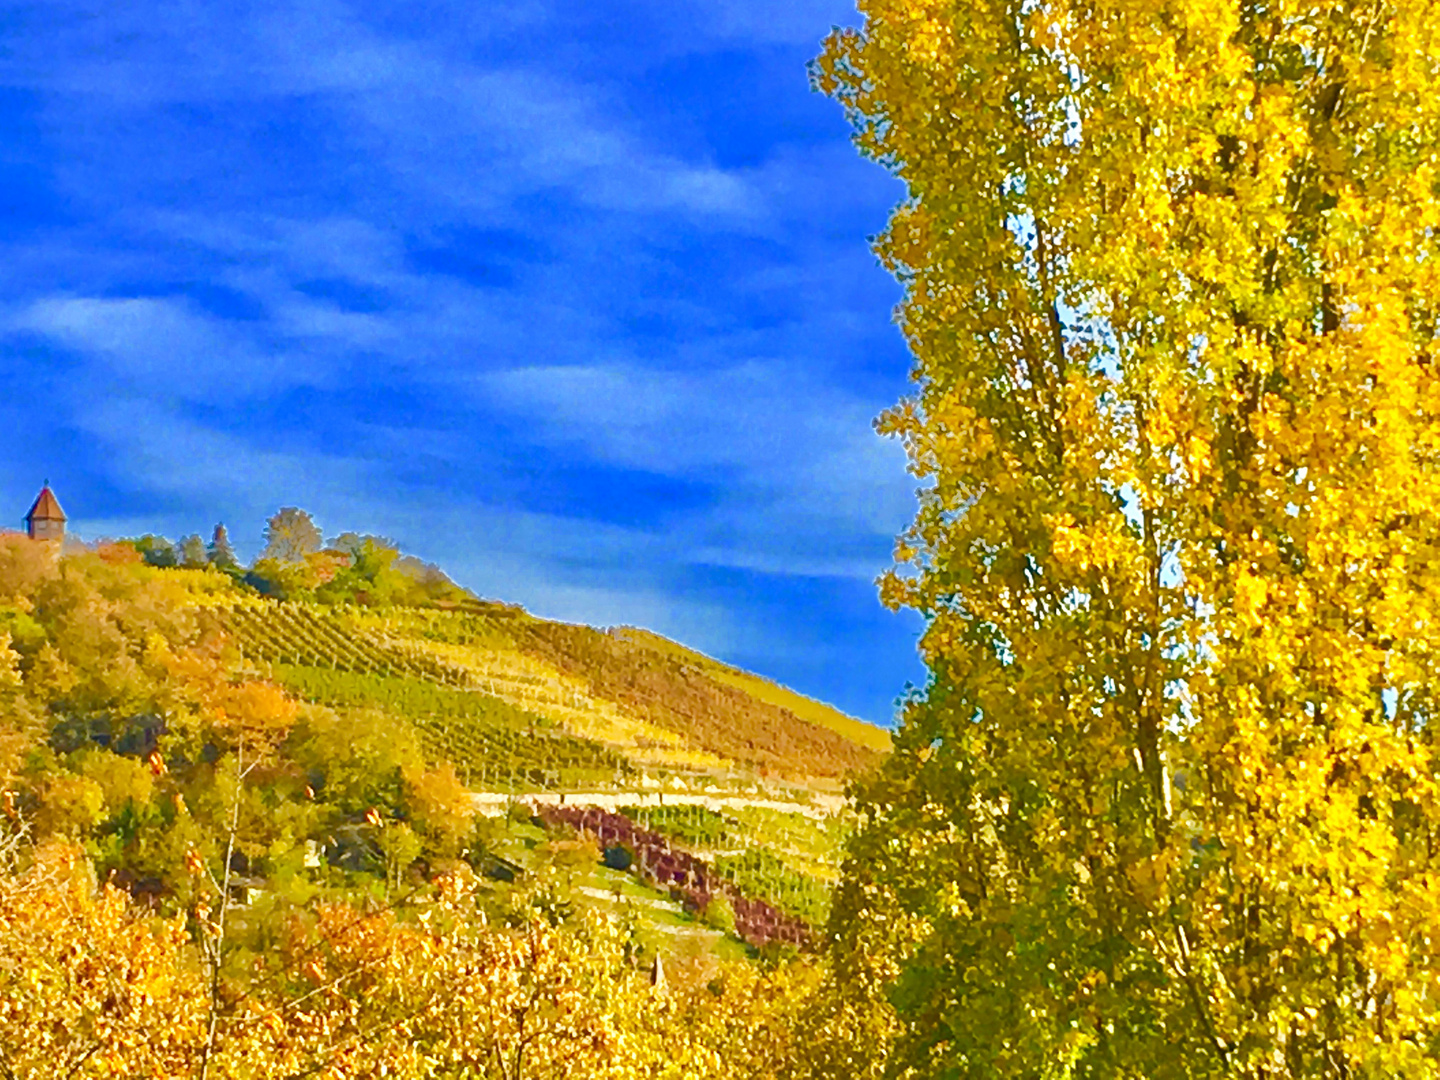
[389, 738]
[595, 707]
[744, 773]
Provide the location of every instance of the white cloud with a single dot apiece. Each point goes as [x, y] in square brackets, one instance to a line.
[809, 488]
[164, 345]
[762, 416]
[206, 51]
[465, 131]
[476, 137]
[320, 322]
[158, 449]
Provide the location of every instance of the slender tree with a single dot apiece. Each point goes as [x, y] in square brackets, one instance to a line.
[1167, 806]
[220, 551]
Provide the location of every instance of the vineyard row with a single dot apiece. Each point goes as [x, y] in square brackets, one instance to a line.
[757, 921]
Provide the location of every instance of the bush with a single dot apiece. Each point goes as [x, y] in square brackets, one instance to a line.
[157, 551]
[776, 954]
[282, 580]
[619, 857]
[718, 914]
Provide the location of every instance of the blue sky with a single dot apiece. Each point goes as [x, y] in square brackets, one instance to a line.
[572, 298]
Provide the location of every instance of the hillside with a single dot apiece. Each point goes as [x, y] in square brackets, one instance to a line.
[619, 718]
[593, 706]
[160, 714]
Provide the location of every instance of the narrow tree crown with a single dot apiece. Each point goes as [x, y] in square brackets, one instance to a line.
[1168, 805]
[221, 553]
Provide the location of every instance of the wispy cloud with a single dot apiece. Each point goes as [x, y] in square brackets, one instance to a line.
[518, 285]
[164, 344]
[758, 422]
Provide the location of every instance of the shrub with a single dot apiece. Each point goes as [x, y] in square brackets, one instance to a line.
[619, 857]
[719, 914]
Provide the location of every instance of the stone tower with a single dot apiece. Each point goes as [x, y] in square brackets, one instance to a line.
[45, 521]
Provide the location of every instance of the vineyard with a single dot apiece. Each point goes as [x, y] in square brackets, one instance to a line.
[653, 703]
[490, 628]
[492, 744]
[757, 921]
[679, 697]
[668, 705]
[305, 635]
[521, 706]
[533, 684]
[760, 872]
[857, 731]
[788, 859]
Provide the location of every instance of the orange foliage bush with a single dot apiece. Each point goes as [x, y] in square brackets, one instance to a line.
[89, 987]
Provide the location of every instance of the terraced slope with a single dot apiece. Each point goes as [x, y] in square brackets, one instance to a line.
[816, 712]
[525, 707]
[660, 704]
[712, 715]
[493, 745]
[306, 634]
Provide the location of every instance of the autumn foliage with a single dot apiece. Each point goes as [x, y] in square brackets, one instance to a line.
[203, 876]
[1168, 806]
[92, 987]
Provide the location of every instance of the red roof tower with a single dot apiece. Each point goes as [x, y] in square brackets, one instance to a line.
[46, 521]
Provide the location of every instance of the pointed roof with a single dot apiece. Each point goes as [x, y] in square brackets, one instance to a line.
[46, 508]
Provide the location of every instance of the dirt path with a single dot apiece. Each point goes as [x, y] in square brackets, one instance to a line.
[493, 803]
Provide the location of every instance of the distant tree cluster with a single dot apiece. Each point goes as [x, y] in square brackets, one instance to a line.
[190, 552]
[297, 563]
[122, 730]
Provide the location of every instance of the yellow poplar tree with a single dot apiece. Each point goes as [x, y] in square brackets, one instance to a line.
[1168, 804]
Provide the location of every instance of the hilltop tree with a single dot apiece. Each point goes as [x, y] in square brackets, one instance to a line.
[193, 553]
[290, 535]
[372, 574]
[220, 552]
[157, 551]
[354, 544]
[1167, 806]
